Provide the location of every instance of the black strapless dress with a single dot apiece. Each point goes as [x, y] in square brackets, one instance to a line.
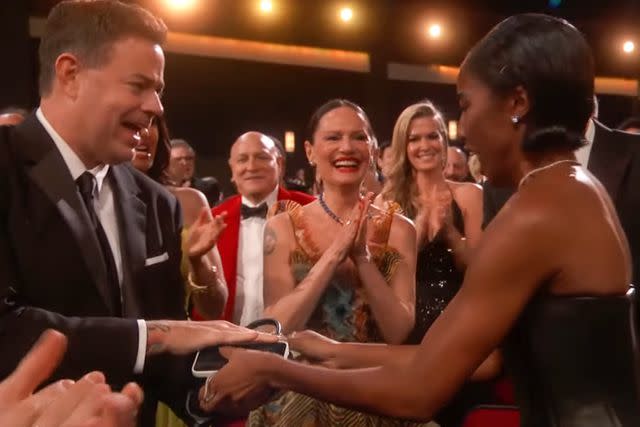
[575, 362]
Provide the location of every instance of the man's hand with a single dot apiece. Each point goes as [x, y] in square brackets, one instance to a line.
[183, 337]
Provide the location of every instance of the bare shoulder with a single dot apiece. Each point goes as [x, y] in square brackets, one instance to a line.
[191, 201]
[279, 229]
[280, 221]
[465, 189]
[190, 197]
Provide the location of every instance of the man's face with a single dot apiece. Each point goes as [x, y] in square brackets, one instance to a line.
[456, 168]
[182, 164]
[118, 99]
[254, 166]
[385, 161]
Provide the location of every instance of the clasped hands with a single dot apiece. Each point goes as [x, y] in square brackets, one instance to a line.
[355, 241]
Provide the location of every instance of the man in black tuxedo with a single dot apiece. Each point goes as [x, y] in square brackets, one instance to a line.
[614, 158]
[88, 245]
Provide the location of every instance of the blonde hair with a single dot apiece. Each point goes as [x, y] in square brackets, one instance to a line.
[400, 186]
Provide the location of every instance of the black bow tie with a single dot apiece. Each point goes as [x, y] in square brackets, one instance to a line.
[259, 211]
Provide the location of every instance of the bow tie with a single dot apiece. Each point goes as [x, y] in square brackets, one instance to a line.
[259, 211]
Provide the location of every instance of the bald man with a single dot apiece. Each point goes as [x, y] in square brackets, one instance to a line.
[456, 168]
[255, 170]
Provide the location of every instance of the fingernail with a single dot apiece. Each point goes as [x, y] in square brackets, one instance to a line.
[95, 377]
[66, 384]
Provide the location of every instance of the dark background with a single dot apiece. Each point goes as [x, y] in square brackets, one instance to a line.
[211, 101]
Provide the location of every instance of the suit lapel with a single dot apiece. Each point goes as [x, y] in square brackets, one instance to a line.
[131, 213]
[607, 161]
[51, 174]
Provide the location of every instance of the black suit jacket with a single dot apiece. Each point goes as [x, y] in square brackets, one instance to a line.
[52, 274]
[615, 161]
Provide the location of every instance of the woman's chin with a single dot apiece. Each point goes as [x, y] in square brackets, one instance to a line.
[143, 165]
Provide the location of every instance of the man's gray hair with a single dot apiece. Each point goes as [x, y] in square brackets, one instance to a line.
[178, 142]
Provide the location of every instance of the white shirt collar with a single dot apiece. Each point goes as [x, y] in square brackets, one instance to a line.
[71, 159]
[269, 200]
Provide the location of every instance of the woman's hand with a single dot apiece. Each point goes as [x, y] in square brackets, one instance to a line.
[359, 249]
[204, 233]
[343, 245]
[240, 386]
[314, 347]
[435, 213]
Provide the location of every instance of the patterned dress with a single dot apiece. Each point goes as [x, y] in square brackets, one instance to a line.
[342, 314]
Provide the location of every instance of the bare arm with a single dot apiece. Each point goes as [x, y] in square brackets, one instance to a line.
[393, 304]
[491, 299]
[501, 279]
[207, 287]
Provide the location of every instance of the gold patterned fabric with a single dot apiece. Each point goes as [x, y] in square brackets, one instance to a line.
[342, 314]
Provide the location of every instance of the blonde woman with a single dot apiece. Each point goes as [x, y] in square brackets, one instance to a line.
[448, 218]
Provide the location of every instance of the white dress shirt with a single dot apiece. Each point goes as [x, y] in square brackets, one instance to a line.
[249, 303]
[106, 212]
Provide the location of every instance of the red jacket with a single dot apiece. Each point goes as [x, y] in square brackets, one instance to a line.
[228, 241]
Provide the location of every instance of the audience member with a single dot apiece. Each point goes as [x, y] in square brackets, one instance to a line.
[475, 169]
[448, 216]
[384, 159]
[182, 165]
[549, 280]
[210, 187]
[65, 403]
[201, 266]
[319, 275]
[456, 168]
[88, 245]
[255, 169]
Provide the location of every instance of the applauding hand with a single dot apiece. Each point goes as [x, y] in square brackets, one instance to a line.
[204, 233]
[87, 402]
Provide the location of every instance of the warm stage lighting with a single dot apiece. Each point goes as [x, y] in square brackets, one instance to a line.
[435, 31]
[628, 46]
[266, 6]
[181, 4]
[346, 14]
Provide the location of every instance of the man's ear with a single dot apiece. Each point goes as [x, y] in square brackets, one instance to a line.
[281, 165]
[231, 169]
[67, 70]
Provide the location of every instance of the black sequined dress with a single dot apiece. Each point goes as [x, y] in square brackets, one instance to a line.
[437, 282]
[437, 279]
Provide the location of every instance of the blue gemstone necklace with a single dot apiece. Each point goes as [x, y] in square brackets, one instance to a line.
[328, 210]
